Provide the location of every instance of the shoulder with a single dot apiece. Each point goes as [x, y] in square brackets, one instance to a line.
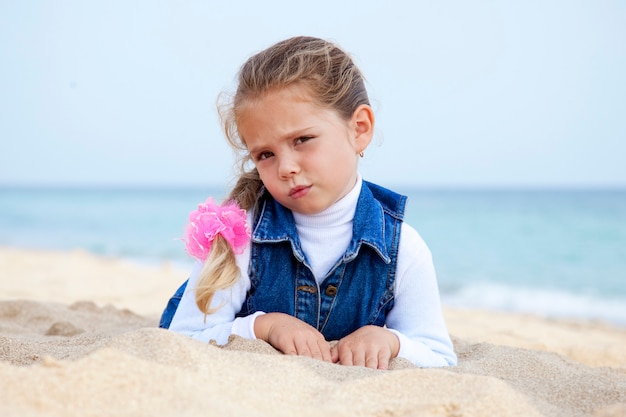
[415, 268]
[392, 202]
[415, 261]
[381, 193]
[412, 244]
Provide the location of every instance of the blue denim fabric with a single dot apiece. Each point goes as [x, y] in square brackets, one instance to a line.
[357, 291]
[172, 306]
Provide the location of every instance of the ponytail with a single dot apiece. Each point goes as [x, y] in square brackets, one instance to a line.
[216, 233]
[220, 271]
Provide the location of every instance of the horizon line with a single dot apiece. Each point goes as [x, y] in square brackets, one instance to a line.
[399, 186]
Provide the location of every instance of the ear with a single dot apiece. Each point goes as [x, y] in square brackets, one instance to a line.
[363, 125]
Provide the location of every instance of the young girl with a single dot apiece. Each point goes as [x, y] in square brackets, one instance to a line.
[319, 255]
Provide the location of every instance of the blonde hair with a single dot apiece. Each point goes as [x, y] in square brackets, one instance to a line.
[219, 272]
[334, 82]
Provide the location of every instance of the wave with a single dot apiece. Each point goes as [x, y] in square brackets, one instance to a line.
[551, 303]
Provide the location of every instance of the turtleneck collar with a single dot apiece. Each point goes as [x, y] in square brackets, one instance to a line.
[339, 213]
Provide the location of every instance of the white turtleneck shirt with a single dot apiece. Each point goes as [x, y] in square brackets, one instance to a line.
[416, 317]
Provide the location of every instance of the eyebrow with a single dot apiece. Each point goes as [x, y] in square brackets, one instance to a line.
[291, 135]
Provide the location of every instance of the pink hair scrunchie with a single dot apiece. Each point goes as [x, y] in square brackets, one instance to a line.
[210, 220]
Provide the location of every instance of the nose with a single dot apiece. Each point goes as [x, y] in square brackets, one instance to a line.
[288, 166]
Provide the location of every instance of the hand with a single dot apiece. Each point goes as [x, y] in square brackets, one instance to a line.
[370, 346]
[292, 336]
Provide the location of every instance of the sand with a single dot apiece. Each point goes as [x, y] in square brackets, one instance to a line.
[79, 337]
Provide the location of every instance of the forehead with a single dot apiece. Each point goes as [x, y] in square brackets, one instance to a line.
[294, 93]
[280, 110]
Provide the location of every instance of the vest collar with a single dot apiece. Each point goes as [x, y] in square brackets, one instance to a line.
[276, 224]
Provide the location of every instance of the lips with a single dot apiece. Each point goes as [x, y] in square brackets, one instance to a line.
[299, 191]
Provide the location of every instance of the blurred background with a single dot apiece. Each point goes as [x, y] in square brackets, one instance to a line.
[503, 122]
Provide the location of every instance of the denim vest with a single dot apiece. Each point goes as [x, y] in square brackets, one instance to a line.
[357, 291]
[359, 288]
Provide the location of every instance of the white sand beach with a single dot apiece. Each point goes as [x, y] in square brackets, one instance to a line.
[79, 337]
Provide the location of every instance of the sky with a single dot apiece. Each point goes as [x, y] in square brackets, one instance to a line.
[466, 94]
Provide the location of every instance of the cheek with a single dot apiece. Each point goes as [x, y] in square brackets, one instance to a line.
[265, 175]
[262, 173]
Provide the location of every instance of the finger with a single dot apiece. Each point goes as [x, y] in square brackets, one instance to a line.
[345, 357]
[383, 360]
[302, 347]
[371, 361]
[315, 350]
[290, 350]
[324, 348]
[334, 354]
[358, 357]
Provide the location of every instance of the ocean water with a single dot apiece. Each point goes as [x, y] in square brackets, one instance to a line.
[558, 253]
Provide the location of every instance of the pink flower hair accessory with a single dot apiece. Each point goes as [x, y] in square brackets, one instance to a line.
[210, 220]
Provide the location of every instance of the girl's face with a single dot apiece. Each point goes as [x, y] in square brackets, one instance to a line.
[306, 155]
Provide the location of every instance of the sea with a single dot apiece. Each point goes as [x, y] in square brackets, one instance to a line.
[558, 253]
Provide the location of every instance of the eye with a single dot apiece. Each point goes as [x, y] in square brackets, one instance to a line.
[303, 139]
[263, 155]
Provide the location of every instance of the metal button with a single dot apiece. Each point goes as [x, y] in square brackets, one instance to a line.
[331, 291]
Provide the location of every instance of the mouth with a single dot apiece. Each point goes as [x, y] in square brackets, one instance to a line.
[299, 191]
